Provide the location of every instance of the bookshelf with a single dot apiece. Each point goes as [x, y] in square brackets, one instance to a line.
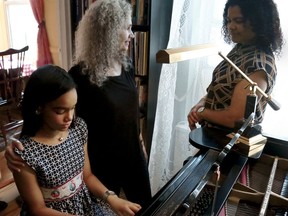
[156, 24]
[77, 9]
[151, 25]
[139, 52]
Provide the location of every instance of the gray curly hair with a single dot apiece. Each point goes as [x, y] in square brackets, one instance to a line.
[97, 38]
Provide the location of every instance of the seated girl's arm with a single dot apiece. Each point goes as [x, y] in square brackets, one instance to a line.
[119, 205]
[14, 161]
[31, 194]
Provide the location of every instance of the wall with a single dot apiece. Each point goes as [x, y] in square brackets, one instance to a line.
[160, 19]
[57, 17]
[51, 19]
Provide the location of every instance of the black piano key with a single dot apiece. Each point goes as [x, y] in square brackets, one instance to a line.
[203, 202]
[284, 190]
[278, 211]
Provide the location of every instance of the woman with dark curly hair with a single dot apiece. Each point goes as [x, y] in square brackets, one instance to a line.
[254, 27]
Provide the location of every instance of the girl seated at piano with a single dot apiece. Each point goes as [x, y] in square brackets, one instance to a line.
[56, 178]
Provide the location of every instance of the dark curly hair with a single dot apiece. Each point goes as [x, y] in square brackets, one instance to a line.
[264, 19]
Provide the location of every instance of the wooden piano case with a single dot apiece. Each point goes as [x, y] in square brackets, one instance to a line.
[248, 198]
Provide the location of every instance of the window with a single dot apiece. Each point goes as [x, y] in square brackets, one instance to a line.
[19, 28]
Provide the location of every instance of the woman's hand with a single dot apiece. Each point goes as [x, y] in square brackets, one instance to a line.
[14, 161]
[193, 116]
[123, 207]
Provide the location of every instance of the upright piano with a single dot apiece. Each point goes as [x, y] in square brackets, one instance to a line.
[197, 189]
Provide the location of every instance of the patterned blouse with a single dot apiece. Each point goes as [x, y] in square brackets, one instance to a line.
[59, 173]
[249, 59]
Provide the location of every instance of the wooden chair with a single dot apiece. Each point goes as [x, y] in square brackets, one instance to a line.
[11, 91]
[10, 129]
[11, 69]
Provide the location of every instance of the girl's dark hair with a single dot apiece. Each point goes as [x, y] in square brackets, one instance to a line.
[46, 84]
[264, 19]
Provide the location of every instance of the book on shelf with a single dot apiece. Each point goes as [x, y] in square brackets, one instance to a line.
[139, 52]
[142, 92]
[134, 11]
[140, 12]
[250, 150]
[248, 140]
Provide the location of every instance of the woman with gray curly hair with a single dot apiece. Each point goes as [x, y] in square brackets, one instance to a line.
[108, 98]
[107, 101]
[98, 43]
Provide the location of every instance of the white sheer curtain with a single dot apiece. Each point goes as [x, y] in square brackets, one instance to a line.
[275, 122]
[182, 84]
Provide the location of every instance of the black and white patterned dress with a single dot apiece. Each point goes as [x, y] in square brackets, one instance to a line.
[61, 166]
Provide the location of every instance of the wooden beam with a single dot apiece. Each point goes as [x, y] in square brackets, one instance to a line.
[174, 55]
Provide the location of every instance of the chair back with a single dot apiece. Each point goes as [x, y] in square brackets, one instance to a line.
[11, 69]
[11, 129]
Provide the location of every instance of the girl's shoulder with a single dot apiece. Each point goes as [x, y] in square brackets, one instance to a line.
[79, 122]
[26, 141]
[80, 129]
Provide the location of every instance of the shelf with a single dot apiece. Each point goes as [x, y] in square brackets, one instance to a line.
[140, 28]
